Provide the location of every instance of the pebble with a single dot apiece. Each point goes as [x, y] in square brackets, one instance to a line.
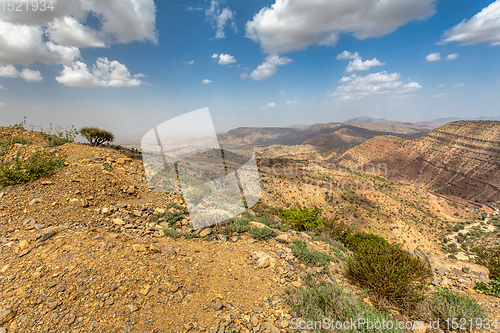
[174, 288]
[205, 232]
[6, 315]
[34, 201]
[138, 248]
[131, 190]
[145, 289]
[218, 305]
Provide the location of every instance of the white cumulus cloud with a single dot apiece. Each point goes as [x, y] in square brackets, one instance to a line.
[358, 65]
[31, 75]
[220, 18]
[104, 73]
[292, 102]
[347, 55]
[10, 71]
[356, 87]
[268, 106]
[226, 59]
[268, 68]
[57, 36]
[484, 27]
[452, 56]
[206, 81]
[290, 25]
[433, 57]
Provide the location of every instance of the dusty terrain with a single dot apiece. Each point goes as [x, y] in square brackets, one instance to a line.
[81, 251]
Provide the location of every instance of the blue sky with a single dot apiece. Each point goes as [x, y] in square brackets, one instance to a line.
[128, 65]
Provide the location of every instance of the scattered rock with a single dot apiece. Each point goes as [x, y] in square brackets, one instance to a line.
[118, 221]
[23, 245]
[84, 203]
[145, 289]
[170, 250]
[283, 238]
[133, 307]
[6, 315]
[222, 237]
[34, 201]
[105, 211]
[218, 305]
[174, 288]
[138, 248]
[131, 190]
[109, 301]
[257, 225]
[154, 248]
[205, 232]
[264, 260]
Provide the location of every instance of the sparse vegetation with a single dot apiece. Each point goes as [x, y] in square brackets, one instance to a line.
[96, 136]
[301, 251]
[490, 288]
[386, 269]
[490, 258]
[178, 234]
[302, 219]
[22, 170]
[262, 233]
[447, 305]
[315, 301]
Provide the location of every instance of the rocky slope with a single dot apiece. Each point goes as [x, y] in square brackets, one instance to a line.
[460, 159]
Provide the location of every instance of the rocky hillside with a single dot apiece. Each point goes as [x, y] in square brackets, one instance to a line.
[89, 247]
[460, 159]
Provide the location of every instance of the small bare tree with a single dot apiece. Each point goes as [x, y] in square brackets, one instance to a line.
[96, 136]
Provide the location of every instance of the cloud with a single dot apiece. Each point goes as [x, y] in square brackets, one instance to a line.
[440, 95]
[104, 73]
[2, 104]
[215, 55]
[283, 92]
[189, 62]
[296, 25]
[452, 56]
[57, 36]
[2, 87]
[243, 76]
[268, 106]
[226, 59]
[268, 68]
[206, 81]
[458, 85]
[484, 27]
[358, 65]
[440, 86]
[31, 75]
[220, 18]
[347, 55]
[10, 71]
[68, 31]
[356, 87]
[433, 57]
[292, 102]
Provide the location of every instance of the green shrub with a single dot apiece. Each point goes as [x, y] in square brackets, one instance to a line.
[262, 233]
[388, 270]
[354, 241]
[492, 288]
[107, 166]
[490, 258]
[177, 234]
[337, 230]
[20, 171]
[302, 219]
[96, 136]
[56, 141]
[315, 301]
[301, 251]
[446, 305]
